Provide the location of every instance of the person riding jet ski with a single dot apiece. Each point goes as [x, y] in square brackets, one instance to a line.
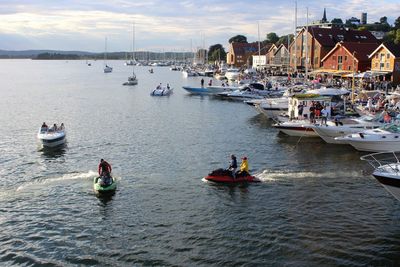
[105, 172]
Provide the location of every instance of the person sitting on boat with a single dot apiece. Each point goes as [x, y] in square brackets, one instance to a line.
[244, 166]
[159, 86]
[105, 171]
[168, 87]
[233, 166]
[44, 127]
[53, 128]
[210, 83]
[62, 127]
[324, 116]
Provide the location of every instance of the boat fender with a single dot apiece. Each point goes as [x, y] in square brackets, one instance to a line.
[361, 135]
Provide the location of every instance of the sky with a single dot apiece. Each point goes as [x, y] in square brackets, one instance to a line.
[163, 25]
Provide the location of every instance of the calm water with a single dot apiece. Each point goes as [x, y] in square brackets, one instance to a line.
[316, 206]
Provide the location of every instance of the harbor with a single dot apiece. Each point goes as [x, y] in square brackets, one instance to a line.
[316, 204]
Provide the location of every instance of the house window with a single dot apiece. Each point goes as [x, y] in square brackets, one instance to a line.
[387, 55]
[387, 65]
[345, 58]
[340, 62]
[349, 67]
[382, 65]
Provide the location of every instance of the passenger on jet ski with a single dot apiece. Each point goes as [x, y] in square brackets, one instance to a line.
[233, 166]
[105, 172]
[244, 166]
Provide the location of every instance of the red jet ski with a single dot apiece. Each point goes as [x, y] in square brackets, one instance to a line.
[225, 176]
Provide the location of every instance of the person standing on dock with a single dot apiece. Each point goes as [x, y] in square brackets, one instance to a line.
[202, 82]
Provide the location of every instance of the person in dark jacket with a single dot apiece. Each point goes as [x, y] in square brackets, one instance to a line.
[233, 166]
[105, 171]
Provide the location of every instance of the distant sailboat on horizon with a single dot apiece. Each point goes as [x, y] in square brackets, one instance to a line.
[132, 80]
[107, 69]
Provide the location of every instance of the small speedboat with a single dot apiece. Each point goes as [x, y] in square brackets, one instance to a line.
[164, 91]
[225, 176]
[101, 188]
[49, 137]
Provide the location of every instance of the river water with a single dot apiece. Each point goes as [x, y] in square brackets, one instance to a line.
[317, 205]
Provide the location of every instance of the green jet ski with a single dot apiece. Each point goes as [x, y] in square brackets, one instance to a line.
[101, 188]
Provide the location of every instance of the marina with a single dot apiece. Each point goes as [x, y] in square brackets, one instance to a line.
[316, 203]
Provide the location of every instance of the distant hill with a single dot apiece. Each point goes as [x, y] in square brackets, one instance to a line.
[33, 54]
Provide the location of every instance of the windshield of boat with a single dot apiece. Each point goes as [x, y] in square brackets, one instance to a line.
[392, 128]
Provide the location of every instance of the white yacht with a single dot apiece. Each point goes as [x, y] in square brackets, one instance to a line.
[386, 170]
[341, 127]
[384, 139]
[232, 74]
[51, 137]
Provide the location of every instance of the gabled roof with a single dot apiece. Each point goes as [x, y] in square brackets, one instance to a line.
[361, 50]
[280, 47]
[328, 37]
[394, 49]
[244, 48]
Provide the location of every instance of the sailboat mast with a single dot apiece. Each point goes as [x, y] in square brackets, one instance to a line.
[307, 46]
[295, 39]
[105, 51]
[259, 45]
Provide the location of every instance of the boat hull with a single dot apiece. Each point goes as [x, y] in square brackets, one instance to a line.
[298, 131]
[52, 140]
[231, 180]
[391, 184]
[375, 146]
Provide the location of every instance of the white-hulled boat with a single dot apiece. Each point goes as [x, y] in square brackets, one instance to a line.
[232, 74]
[162, 91]
[384, 139]
[132, 80]
[49, 137]
[345, 126]
[107, 69]
[386, 170]
[211, 90]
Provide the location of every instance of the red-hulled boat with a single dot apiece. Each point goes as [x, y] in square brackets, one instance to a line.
[225, 176]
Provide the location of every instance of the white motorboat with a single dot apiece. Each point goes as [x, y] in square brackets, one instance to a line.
[251, 91]
[232, 74]
[189, 73]
[162, 91]
[273, 107]
[384, 139]
[386, 170]
[300, 128]
[50, 137]
[345, 126]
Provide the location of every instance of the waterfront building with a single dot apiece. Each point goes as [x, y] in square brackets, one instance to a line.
[320, 41]
[349, 57]
[385, 62]
[239, 54]
[281, 58]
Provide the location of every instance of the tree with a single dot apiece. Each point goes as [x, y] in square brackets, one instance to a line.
[284, 39]
[337, 21]
[272, 38]
[216, 52]
[397, 23]
[383, 20]
[238, 39]
[397, 37]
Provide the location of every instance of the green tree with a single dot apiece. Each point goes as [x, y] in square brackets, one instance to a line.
[216, 52]
[383, 20]
[238, 39]
[397, 37]
[390, 36]
[284, 39]
[397, 23]
[272, 38]
[337, 21]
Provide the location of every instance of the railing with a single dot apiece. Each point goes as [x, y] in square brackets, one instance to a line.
[384, 161]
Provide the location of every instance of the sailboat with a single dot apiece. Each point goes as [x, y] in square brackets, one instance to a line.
[107, 69]
[132, 80]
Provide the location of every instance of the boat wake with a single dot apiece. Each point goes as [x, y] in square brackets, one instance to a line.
[273, 175]
[65, 177]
